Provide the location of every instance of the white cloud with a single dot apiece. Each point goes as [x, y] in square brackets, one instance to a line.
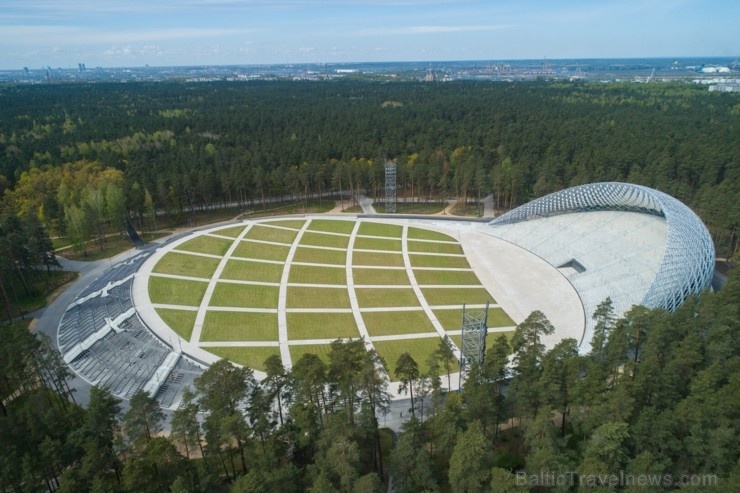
[410, 30]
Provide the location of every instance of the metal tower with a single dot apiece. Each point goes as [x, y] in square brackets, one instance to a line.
[390, 187]
[474, 331]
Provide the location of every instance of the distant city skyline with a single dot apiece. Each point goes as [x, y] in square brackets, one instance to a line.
[39, 33]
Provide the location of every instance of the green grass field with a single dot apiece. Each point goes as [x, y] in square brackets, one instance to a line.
[451, 319]
[320, 350]
[252, 357]
[232, 232]
[310, 274]
[311, 238]
[261, 251]
[182, 264]
[331, 226]
[247, 270]
[380, 276]
[456, 296]
[490, 338]
[312, 297]
[434, 247]
[239, 326]
[245, 295]
[321, 326]
[380, 229]
[181, 321]
[439, 261]
[206, 244]
[385, 244]
[401, 322]
[426, 234]
[433, 277]
[379, 298]
[320, 256]
[166, 291]
[273, 234]
[377, 258]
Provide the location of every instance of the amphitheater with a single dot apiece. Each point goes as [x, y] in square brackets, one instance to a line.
[288, 286]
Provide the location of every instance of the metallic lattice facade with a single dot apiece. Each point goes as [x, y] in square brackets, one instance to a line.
[687, 265]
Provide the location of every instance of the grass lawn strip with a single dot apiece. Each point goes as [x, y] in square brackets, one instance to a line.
[206, 244]
[439, 261]
[434, 247]
[261, 251]
[303, 297]
[334, 240]
[184, 264]
[166, 291]
[285, 223]
[321, 326]
[434, 277]
[247, 270]
[377, 259]
[232, 232]
[310, 274]
[181, 321]
[379, 298]
[251, 357]
[331, 226]
[419, 349]
[397, 322]
[379, 229]
[245, 295]
[267, 233]
[456, 296]
[320, 256]
[426, 234]
[384, 244]
[380, 276]
[239, 326]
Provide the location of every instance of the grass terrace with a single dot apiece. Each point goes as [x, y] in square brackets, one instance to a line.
[451, 319]
[427, 234]
[232, 232]
[379, 298]
[439, 261]
[167, 291]
[321, 326]
[245, 295]
[433, 277]
[331, 226]
[261, 251]
[252, 357]
[397, 322]
[320, 256]
[380, 229]
[310, 274]
[247, 270]
[456, 296]
[377, 259]
[182, 264]
[434, 247]
[239, 326]
[379, 276]
[312, 297]
[210, 245]
[385, 244]
[320, 350]
[181, 321]
[324, 240]
[490, 338]
[272, 234]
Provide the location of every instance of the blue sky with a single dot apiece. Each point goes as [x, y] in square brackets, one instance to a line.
[62, 33]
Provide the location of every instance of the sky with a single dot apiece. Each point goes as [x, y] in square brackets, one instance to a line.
[133, 33]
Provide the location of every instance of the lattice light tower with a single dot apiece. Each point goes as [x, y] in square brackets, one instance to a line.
[390, 187]
[474, 331]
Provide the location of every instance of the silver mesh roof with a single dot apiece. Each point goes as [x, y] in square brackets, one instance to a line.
[687, 265]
